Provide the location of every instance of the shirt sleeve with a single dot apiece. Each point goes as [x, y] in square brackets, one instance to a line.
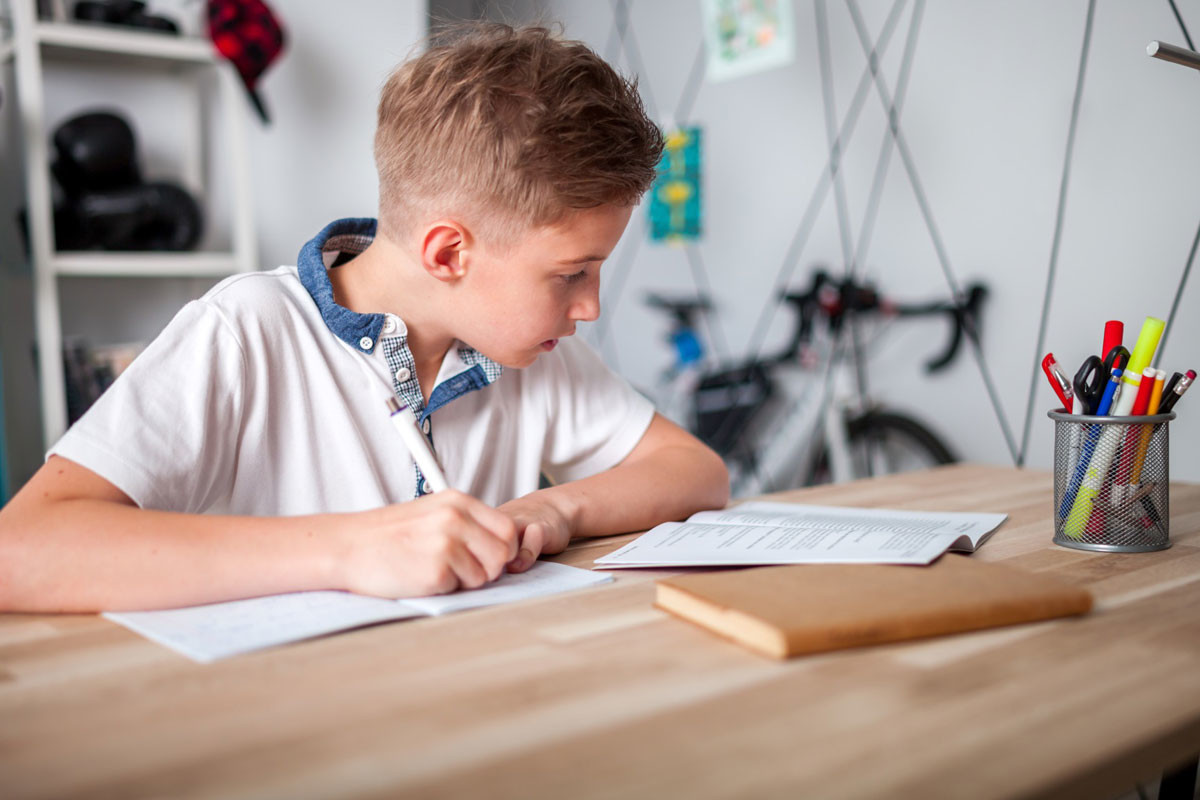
[166, 432]
[595, 417]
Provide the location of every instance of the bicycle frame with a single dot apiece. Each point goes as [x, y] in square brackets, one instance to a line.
[804, 414]
[811, 418]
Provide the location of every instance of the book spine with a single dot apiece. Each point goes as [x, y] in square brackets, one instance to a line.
[884, 629]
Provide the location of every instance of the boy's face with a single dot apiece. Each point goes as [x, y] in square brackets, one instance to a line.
[517, 302]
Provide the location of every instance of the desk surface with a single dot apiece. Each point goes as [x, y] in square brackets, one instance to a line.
[597, 694]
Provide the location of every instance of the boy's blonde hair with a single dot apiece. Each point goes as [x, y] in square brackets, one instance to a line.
[512, 125]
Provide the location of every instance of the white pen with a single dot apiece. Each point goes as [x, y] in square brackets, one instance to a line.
[406, 423]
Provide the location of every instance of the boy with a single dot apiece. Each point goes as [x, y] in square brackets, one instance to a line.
[249, 451]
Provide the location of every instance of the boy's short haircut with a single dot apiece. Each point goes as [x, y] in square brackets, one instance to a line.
[512, 125]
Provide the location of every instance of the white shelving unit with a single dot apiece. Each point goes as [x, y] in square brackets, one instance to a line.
[35, 42]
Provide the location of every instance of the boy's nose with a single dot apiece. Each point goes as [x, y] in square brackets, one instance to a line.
[587, 307]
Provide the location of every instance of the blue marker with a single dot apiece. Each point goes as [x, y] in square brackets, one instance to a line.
[1110, 393]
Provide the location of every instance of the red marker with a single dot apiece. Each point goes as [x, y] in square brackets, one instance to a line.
[1141, 403]
[1114, 332]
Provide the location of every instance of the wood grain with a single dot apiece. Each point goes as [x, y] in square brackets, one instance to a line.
[596, 694]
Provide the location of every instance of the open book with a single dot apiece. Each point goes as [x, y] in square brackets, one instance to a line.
[210, 632]
[787, 533]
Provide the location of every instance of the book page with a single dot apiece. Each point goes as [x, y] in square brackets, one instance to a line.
[784, 533]
[219, 630]
[974, 528]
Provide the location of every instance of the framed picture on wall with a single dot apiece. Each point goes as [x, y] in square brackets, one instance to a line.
[747, 36]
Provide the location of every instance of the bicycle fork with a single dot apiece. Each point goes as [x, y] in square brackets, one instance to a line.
[837, 442]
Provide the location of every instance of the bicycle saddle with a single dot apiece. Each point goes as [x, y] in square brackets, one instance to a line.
[681, 309]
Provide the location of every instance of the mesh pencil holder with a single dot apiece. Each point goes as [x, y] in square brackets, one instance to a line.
[1111, 477]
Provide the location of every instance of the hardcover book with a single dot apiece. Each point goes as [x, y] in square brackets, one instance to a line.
[790, 610]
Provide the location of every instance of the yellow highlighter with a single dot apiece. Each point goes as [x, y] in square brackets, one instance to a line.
[1110, 440]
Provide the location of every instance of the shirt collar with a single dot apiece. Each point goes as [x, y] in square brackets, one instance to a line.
[361, 331]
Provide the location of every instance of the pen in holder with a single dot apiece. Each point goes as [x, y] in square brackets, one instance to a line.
[1111, 479]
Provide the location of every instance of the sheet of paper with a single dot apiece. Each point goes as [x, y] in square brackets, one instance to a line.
[219, 630]
[784, 533]
[543, 578]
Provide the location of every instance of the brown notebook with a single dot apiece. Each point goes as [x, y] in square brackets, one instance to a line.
[806, 608]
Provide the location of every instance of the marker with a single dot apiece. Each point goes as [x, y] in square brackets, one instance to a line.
[1167, 404]
[1110, 439]
[1083, 468]
[1112, 393]
[1143, 353]
[1114, 332]
[1142, 401]
[406, 423]
[1151, 410]
[1121, 486]
[1156, 393]
[1058, 381]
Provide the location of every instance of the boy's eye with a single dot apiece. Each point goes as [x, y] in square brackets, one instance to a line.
[574, 276]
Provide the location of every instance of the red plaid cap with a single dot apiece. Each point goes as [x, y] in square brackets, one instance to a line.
[248, 34]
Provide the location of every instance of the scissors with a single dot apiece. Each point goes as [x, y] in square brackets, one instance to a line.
[1093, 377]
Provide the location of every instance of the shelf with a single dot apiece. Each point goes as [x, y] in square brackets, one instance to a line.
[131, 54]
[115, 44]
[144, 265]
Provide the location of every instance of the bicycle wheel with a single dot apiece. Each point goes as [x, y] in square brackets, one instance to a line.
[883, 443]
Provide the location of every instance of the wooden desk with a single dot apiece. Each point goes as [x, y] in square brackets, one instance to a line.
[597, 694]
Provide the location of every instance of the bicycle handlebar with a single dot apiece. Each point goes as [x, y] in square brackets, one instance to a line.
[837, 300]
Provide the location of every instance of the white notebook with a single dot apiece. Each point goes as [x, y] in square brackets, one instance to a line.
[788, 533]
[219, 630]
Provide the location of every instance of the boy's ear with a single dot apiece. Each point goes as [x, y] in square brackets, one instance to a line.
[444, 250]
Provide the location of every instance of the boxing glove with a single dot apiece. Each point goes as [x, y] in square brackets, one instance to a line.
[151, 216]
[96, 151]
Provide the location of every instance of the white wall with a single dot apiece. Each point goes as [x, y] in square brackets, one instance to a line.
[311, 165]
[986, 120]
[314, 162]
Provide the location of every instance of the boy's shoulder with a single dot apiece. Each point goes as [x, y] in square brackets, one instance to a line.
[261, 311]
[250, 296]
[248, 288]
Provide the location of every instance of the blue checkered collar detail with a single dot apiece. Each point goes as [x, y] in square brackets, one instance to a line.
[466, 368]
[470, 370]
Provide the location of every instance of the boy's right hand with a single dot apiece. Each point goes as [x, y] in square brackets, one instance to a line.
[431, 545]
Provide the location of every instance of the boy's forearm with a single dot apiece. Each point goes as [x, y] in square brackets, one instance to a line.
[671, 483]
[90, 555]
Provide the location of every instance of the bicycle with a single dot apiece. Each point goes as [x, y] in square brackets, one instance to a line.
[773, 424]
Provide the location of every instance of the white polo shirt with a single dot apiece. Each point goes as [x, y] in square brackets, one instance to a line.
[265, 397]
